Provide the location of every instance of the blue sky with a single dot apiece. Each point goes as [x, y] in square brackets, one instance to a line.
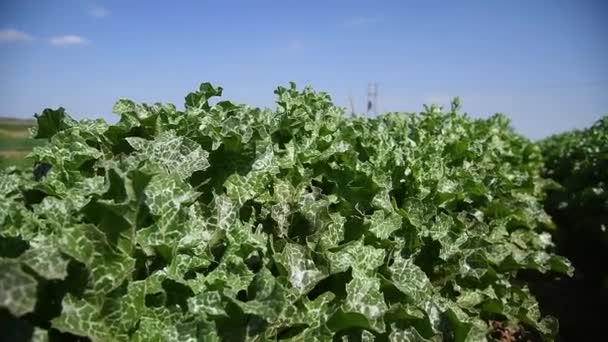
[543, 63]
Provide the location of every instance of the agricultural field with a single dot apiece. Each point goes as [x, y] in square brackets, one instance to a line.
[223, 222]
[15, 141]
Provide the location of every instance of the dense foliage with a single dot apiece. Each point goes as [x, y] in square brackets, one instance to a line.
[224, 222]
[578, 161]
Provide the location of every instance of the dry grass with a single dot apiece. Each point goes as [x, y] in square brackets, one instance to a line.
[14, 133]
[13, 153]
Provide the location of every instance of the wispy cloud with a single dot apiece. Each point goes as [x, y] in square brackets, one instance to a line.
[295, 45]
[12, 35]
[66, 40]
[99, 11]
[353, 22]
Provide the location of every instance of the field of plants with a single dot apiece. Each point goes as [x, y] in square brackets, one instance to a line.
[223, 222]
[15, 142]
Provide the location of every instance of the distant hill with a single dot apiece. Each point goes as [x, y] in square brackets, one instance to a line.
[15, 141]
[17, 121]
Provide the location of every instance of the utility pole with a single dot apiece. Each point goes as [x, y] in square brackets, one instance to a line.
[372, 98]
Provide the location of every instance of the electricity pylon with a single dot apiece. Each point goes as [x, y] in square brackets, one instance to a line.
[372, 98]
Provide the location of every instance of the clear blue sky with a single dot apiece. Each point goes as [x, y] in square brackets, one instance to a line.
[543, 63]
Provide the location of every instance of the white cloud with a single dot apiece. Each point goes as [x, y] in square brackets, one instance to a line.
[12, 35]
[69, 39]
[361, 21]
[99, 12]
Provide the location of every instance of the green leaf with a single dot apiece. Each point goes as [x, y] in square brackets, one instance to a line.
[208, 303]
[406, 335]
[269, 300]
[301, 269]
[108, 267]
[40, 335]
[383, 225]
[46, 261]
[81, 318]
[410, 279]
[357, 256]
[50, 122]
[198, 99]
[170, 153]
[17, 288]
[365, 298]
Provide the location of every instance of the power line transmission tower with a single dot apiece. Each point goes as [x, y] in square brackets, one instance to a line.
[352, 105]
[372, 98]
